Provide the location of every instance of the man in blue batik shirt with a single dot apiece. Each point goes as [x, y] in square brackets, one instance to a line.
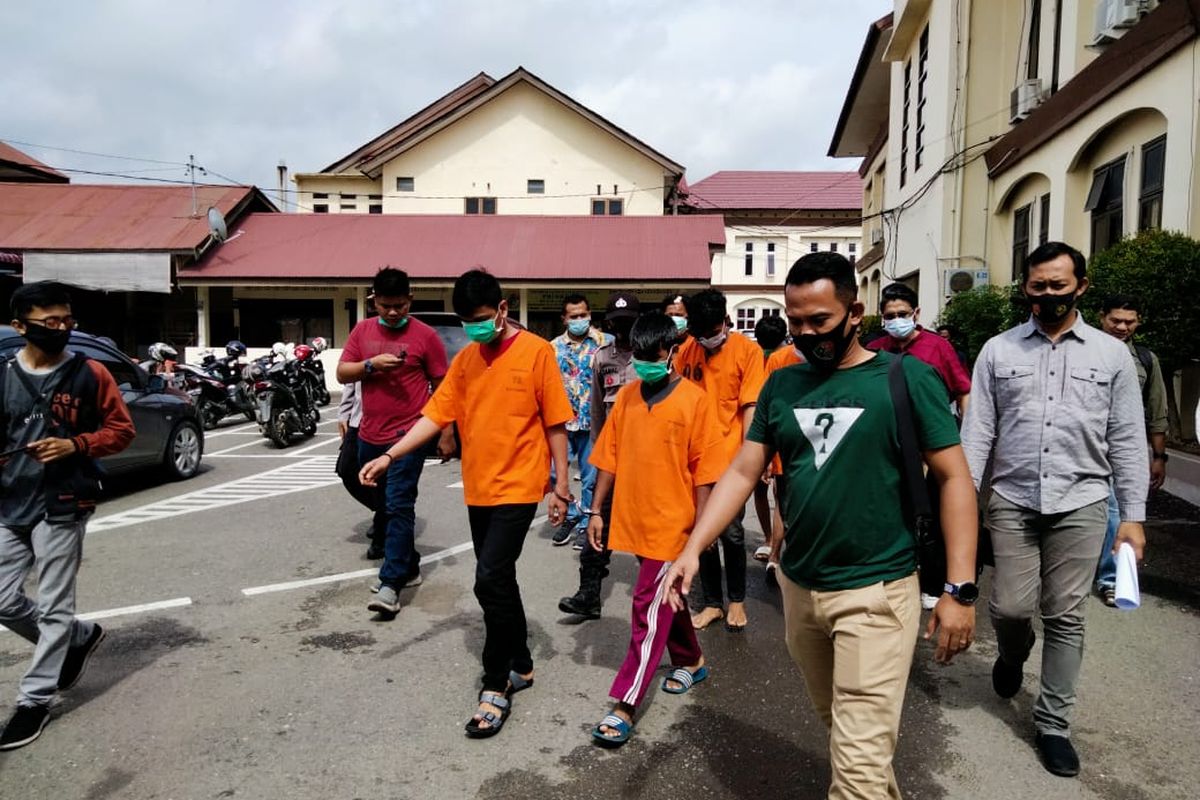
[575, 349]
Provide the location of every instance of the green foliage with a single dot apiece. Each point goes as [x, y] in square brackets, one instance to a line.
[1162, 269]
[871, 325]
[978, 315]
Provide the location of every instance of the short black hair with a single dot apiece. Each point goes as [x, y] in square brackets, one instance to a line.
[770, 331]
[652, 333]
[825, 265]
[391, 282]
[42, 294]
[672, 299]
[706, 310]
[1125, 302]
[1050, 251]
[947, 328]
[897, 291]
[574, 299]
[475, 289]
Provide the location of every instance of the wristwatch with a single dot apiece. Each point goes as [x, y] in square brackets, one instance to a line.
[368, 367]
[1160, 457]
[966, 593]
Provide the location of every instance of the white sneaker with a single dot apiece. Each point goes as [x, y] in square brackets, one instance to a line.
[928, 601]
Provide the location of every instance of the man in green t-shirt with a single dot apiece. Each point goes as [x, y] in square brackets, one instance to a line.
[849, 582]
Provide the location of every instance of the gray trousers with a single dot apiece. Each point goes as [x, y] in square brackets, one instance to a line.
[1044, 564]
[50, 623]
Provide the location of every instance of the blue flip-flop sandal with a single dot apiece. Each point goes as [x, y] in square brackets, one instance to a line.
[613, 722]
[685, 679]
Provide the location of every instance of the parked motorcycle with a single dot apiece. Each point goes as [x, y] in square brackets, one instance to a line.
[207, 393]
[240, 398]
[313, 371]
[285, 402]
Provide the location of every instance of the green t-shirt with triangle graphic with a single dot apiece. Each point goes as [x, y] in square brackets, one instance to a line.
[842, 485]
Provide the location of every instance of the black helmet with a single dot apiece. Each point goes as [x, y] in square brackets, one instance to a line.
[235, 348]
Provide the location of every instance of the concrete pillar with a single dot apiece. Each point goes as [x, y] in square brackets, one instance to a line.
[202, 312]
[523, 317]
[360, 297]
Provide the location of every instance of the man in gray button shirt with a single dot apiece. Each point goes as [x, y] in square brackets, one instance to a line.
[1058, 412]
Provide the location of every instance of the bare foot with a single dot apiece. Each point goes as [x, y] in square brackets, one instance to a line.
[737, 615]
[675, 685]
[705, 617]
[622, 710]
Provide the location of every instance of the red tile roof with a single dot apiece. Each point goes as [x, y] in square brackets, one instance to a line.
[38, 216]
[20, 166]
[354, 246]
[741, 189]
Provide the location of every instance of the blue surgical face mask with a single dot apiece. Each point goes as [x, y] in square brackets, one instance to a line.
[680, 322]
[579, 327]
[900, 327]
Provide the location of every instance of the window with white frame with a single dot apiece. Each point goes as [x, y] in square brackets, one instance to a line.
[745, 319]
[749, 258]
[770, 259]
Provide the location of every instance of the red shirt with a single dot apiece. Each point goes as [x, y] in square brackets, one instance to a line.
[934, 351]
[392, 401]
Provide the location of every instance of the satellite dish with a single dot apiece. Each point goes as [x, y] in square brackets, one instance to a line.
[216, 225]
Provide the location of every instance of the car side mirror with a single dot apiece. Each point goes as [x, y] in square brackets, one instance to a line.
[156, 384]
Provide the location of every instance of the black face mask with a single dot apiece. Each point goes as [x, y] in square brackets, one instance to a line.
[825, 350]
[1051, 308]
[48, 340]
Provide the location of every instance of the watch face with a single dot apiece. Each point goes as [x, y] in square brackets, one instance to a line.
[968, 593]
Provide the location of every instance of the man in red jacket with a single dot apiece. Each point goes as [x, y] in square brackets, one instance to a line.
[58, 413]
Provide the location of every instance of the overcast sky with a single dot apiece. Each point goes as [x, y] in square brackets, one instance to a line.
[242, 85]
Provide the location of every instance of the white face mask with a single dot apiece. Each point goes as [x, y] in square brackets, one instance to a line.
[713, 342]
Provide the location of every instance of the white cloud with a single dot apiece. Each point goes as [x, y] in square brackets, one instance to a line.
[713, 85]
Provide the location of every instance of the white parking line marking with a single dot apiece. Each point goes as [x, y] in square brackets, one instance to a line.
[458, 485]
[321, 443]
[343, 576]
[247, 427]
[177, 602]
[312, 473]
[250, 443]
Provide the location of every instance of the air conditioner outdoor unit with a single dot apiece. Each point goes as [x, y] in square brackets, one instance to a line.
[1025, 98]
[1113, 16]
[956, 281]
[876, 236]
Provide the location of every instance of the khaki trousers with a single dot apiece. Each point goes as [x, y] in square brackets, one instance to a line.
[855, 648]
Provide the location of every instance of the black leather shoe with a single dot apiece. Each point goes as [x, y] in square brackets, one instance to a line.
[374, 552]
[1006, 679]
[582, 603]
[1058, 755]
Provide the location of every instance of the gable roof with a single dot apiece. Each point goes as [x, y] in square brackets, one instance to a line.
[20, 167]
[729, 190]
[391, 137]
[581, 248]
[370, 158]
[102, 217]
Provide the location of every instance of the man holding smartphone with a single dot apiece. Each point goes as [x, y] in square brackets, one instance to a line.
[397, 361]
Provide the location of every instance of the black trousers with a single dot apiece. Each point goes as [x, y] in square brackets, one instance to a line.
[593, 564]
[347, 469]
[498, 534]
[733, 545]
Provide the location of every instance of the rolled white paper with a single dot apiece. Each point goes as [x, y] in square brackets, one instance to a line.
[1129, 596]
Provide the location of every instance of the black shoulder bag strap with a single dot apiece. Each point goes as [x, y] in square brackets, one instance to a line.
[1147, 358]
[910, 450]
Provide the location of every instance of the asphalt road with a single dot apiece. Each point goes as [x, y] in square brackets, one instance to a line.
[298, 691]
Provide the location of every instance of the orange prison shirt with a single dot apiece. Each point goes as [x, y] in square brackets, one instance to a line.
[732, 377]
[659, 454]
[503, 410]
[785, 356]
